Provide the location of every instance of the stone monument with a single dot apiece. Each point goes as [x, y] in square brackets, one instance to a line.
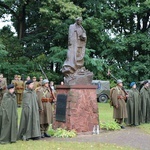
[73, 68]
[77, 96]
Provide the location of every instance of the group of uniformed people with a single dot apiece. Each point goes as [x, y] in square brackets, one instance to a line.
[133, 107]
[36, 99]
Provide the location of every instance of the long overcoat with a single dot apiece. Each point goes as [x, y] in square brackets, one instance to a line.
[145, 105]
[8, 119]
[46, 112]
[30, 123]
[3, 86]
[133, 107]
[121, 111]
[76, 48]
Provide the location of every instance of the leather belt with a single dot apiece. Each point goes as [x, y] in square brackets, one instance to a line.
[47, 100]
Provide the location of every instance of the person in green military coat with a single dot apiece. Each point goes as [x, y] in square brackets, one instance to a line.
[145, 103]
[133, 104]
[9, 117]
[30, 124]
[119, 105]
[3, 86]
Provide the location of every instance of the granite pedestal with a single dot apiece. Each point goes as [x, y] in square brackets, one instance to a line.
[81, 108]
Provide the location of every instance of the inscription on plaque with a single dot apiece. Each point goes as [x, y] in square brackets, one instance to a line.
[61, 107]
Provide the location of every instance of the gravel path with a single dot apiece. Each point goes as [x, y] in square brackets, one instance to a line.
[131, 136]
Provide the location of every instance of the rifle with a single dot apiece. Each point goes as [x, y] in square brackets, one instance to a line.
[53, 96]
[109, 73]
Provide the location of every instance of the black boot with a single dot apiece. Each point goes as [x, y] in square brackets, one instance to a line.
[46, 135]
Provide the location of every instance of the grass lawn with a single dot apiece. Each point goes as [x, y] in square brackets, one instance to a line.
[45, 145]
[145, 127]
[106, 115]
[105, 112]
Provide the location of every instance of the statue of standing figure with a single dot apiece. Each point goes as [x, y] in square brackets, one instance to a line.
[73, 68]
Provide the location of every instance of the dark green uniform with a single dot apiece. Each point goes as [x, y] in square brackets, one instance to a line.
[30, 123]
[145, 105]
[9, 119]
[133, 108]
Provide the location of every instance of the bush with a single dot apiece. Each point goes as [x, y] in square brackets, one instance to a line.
[59, 132]
[111, 125]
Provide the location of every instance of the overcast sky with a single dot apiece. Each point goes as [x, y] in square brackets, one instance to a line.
[5, 22]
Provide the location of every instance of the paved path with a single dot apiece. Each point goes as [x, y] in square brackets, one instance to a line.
[131, 136]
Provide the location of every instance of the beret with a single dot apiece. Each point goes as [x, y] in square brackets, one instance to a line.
[29, 81]
[45, 81]
[132, 83]
[10, 86]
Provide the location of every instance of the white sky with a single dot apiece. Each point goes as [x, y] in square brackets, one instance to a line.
[6, 21]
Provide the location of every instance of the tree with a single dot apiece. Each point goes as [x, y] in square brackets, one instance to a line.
[129, 22]
[118, 35]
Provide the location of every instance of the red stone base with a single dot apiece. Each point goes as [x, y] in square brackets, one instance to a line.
[81, 110]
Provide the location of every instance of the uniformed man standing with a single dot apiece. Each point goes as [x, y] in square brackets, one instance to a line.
[9, 117]
[3, 86]
[35, 83]
[29, 123]
[19, 85]
[119, 105]
[45, 98]
[145, 103]
[133, 104]
[27, 79]
[40, 82]
[15, 79]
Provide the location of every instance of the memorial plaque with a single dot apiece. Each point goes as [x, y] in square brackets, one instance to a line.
[61, 107]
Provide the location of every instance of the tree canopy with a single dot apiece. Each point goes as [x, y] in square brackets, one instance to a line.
[118, 37]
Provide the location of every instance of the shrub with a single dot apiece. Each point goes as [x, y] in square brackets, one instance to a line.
[111, 125]
[59, 132]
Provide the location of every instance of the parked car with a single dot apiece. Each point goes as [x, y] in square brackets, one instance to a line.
[102, 91]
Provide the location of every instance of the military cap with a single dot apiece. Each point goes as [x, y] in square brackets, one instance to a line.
[119, 81]
[34, 77]
[10, 86]
[132, 83]
[19, 76]
[29, 81]
[41, 77]
[45, 81]
[79, 18]
[145, 82]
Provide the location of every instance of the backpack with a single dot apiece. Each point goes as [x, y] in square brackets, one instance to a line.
[111, 92]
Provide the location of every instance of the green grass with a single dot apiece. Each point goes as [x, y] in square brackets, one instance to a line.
[105, 112]
[105, 115]
[51, 145]
[145, 128]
